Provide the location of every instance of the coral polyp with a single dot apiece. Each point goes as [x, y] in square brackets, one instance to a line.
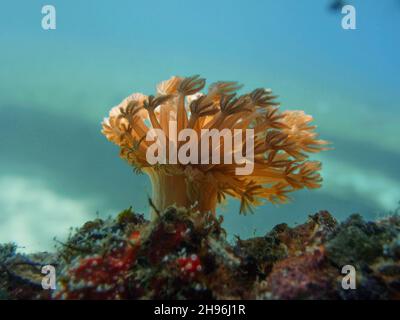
[186, 177]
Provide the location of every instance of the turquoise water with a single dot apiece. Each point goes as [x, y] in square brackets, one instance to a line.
[57, 170]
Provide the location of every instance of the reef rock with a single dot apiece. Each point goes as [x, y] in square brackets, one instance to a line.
[183, 254]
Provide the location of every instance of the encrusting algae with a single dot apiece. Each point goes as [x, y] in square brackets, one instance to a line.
[281, 141]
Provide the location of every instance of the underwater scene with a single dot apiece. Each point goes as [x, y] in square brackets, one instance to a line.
[206, 149]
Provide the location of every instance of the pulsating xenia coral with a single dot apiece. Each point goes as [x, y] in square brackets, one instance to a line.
[279, 146]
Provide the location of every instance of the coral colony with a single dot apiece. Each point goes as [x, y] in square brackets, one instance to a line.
[183, 251]
[256, 153]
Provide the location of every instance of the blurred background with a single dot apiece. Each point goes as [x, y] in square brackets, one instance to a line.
[57, 170]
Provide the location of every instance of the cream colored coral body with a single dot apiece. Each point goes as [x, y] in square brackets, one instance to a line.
[282, 141]
[172, 189]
